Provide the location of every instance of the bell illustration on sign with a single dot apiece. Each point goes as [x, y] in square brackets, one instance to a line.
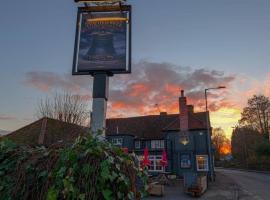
[102, 44]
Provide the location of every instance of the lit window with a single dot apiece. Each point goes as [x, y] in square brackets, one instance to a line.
[155, 163]
[117, 141]
[157, 144]
[137, 144]
[202, 162]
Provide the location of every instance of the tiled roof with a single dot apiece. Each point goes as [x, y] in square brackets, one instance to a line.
[147, 127]
[152, 126]
[56, 132]
[143, 127]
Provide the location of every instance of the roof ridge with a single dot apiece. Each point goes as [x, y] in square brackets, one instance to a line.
[142, 116]
[27, 125]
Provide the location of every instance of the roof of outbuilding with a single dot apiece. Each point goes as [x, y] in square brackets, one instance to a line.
[56, 132]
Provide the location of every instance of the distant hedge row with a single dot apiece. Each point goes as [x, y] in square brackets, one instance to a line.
[87, 170]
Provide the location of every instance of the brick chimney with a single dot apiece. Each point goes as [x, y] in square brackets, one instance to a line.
[183, 108]
[190, 108]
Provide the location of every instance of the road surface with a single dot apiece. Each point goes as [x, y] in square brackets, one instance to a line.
[252, 185]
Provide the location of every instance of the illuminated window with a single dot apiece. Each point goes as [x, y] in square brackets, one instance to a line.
[157, 144]
[202, 162]
[117, 141]
[137, 144]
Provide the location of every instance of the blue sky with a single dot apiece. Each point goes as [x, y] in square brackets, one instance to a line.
[231, 36]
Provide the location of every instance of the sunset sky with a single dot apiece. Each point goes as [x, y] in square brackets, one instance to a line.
[177, 44]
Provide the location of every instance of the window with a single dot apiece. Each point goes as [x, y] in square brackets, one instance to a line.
[117, 141]
[157, 144]
[137, 144]
[155, 164]
[202, 162]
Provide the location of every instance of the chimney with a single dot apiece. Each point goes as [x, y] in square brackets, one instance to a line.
[163, 113]
[190, 108]
[183, 108]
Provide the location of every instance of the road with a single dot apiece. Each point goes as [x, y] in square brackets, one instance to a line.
[252, 185]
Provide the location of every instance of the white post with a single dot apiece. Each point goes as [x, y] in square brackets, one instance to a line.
[99, 107]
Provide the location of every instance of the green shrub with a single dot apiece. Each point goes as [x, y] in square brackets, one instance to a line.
[89, 169]
[263, 149]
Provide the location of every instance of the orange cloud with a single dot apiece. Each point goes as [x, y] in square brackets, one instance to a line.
[152, 84]
[119, 105]
[172, 89]
[138, 89]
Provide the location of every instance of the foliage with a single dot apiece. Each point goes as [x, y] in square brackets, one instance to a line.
[244, 142]
[89, 169]
[263, 149]
[249, 149]
[256, 114]
[220, 142]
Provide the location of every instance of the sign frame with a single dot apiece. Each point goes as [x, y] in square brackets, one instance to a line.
[103, 9]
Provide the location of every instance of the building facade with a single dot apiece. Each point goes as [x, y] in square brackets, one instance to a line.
[183, 136]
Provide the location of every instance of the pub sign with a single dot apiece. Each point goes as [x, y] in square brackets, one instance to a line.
[103, 40]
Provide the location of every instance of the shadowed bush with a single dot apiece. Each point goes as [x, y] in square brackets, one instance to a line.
[89, 169]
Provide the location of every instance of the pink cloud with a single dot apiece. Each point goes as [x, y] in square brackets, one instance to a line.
[6, 117]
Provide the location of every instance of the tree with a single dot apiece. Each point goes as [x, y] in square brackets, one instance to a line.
[220, 143]
[250, 149]
[64, 107]
[244, 142]
[257, 114]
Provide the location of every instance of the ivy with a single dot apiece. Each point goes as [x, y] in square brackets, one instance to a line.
[88, 169]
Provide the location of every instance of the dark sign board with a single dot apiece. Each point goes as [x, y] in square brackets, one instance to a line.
[103, 40]
[185, 161]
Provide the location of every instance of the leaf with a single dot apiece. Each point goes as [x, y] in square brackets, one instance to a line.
[82, 197]
[43, 174]
[107, 194]
[130, 195]
[52, 194]
[61, 172]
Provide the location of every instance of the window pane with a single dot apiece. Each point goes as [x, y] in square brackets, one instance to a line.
[202, 162]
[137, 144]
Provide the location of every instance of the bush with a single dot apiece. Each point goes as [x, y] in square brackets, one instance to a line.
[263, 149]
[89, 169]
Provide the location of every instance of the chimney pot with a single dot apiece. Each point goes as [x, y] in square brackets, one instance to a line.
[182, 93]
[163, 113]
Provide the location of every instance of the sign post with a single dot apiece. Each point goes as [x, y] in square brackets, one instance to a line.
[102, 49]
[99, 105]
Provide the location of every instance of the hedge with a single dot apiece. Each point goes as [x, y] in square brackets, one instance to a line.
[89, 169]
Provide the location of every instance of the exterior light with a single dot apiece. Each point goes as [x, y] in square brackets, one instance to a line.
[221, 87]
[184, 139]
[108, 19]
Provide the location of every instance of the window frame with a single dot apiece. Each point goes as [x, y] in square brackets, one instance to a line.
[156, 163]
[137, 144]
[205, 164]
[157, 144]
[117, 141]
